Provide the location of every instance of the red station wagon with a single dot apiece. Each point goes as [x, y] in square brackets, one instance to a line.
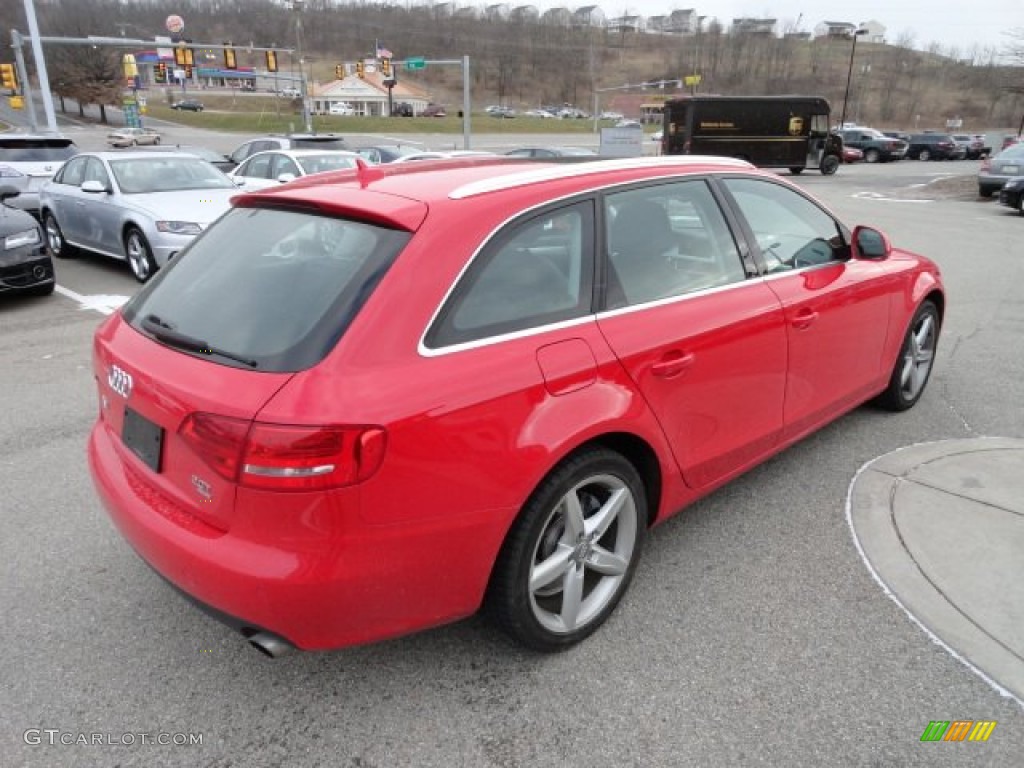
[377, 400]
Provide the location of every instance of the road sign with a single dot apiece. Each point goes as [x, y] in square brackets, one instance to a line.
[416, 62]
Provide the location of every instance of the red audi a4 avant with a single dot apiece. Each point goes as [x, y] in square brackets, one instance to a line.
[377, 400]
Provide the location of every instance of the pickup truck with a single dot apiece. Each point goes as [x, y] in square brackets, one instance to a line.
[876, 146]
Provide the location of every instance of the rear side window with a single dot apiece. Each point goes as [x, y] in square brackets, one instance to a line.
[272, 287]
[537, 272]
[36, 151]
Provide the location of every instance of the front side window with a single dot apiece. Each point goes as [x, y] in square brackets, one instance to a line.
[538, 271]
[273, 290]
[257, 167]
[94, 171]
[73, 172]
[791, 231]
[667, 240]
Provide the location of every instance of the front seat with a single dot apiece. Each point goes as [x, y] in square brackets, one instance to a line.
[640, 240]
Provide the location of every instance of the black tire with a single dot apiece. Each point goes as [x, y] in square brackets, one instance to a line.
[915, 361]
[984, 192]
[924, 154]
[138, 254]
[872, 156]
[1020, 204]
[58, 246]
[829, 165]
[796, 170]
[583, 530]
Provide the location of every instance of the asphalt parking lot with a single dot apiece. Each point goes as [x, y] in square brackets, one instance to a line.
[753, 633]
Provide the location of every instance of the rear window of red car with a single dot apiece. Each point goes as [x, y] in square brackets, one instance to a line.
[269, 289]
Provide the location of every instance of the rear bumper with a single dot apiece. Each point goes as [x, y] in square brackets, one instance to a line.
[331, 583]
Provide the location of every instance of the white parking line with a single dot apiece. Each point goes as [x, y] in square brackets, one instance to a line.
[103, 303]
[880, 196]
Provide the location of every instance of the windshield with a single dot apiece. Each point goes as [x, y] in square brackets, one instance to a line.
[272, 289]
[329, 161]
[166, 174]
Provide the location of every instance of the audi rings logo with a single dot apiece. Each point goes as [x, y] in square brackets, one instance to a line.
[120, 381]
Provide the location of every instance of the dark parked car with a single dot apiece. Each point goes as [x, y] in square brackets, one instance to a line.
[974, 145]
[387, 153]
[25, 265]
[1012, 194]
[434, 110]
[932, 146]
[996, 171]
[876, 146]
[403, 109]
[189, 105]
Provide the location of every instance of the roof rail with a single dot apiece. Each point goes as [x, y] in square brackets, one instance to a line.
[589, 168]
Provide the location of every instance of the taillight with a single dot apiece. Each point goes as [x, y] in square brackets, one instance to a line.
[284, 457]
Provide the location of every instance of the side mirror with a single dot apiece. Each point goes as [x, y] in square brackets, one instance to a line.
[239, 181]
[7, 191]
[284, 178]
[93, 186]
[869, 243]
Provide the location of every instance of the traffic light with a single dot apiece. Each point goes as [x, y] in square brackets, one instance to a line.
[385, 67]
[361, 69]
[160, 73]
[8, 76]
[339, 71]
[271, 61]
[230, 62]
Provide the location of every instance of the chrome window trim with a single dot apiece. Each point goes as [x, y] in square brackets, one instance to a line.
[426, 351]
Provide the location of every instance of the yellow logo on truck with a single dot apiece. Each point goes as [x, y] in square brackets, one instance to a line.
[796, 126]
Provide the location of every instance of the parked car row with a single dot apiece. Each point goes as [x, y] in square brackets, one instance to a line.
[885, 146]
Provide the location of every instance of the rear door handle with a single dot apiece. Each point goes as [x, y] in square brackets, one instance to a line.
[673, 364]
[804, 318]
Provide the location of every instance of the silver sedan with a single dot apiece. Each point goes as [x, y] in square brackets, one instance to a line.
[141, 207]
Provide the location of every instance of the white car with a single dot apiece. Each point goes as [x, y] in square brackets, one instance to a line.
[139, 206]
[342, 109]
[132, 137]
[279, 166]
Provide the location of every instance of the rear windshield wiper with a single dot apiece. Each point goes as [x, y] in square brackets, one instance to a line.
[166, 333]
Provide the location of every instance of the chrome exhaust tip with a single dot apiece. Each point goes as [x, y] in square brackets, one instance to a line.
[270, 645]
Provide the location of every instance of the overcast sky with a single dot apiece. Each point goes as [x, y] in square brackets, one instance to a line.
[949, 23]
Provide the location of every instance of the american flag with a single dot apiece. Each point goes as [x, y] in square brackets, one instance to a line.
[383, 53]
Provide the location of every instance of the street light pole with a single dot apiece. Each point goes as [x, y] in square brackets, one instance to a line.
[298, 7]
[849, 73]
